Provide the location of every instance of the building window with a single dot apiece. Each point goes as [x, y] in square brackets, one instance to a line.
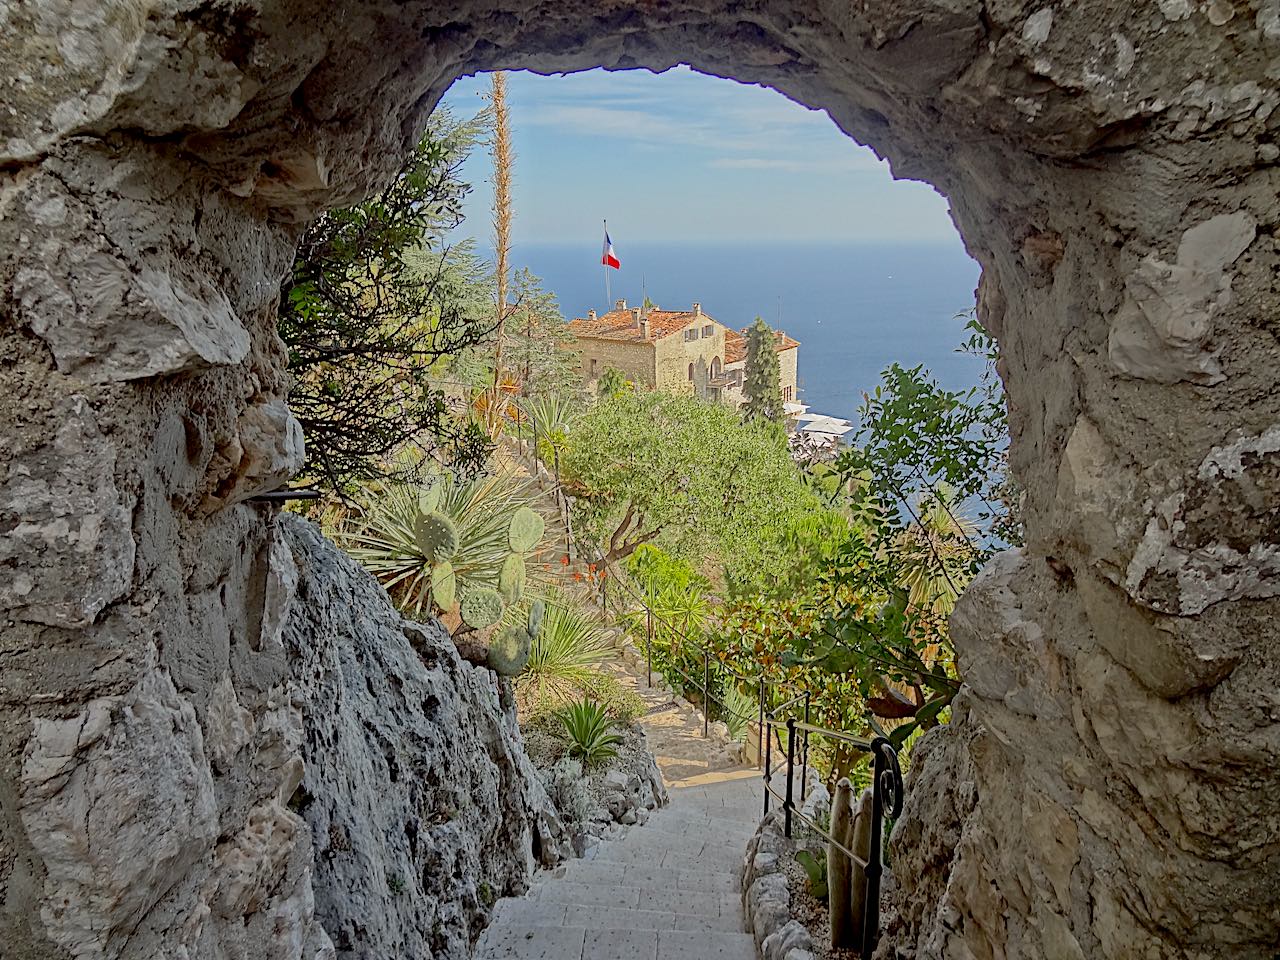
[715, 369]
[707, 331]
[786, 394]
[691, 371]
[691, 334]
[593, 367]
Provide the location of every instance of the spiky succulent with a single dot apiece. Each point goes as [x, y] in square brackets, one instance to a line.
[436, 535]
[526, 530]
[511, 578]
[482, 607]
[509, 650]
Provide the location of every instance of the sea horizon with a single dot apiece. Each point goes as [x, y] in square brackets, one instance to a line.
[856, 306]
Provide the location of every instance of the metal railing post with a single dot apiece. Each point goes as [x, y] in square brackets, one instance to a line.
[871, 910]
[706, 695]
[648, 643]
[768, 758]
[761, 737]
[788, 805]
[804, 754]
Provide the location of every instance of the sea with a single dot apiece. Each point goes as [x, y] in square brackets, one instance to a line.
[854, 307]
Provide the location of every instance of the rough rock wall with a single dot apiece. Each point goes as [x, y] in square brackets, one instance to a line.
[1111, 164]
[422, 805]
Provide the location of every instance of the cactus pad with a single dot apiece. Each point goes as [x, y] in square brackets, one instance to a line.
[511, 578]
[429, 497]
[482, 607]
[444, 585]
[436, 535]
[537, 610]
[509, 651]
[526, 530]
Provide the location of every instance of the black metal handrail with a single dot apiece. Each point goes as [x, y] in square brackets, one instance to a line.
[886, 801]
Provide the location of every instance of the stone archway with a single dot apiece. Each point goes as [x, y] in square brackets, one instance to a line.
[1109, 787]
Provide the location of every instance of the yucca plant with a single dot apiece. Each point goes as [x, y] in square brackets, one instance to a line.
[589, 731]
[564, 657]
[738, 709]
[388, 541]
[549, 417]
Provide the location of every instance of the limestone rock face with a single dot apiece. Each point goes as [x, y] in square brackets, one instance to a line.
[1109, 787]
[422, 804]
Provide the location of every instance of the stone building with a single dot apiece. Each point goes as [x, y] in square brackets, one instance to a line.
[679, 351]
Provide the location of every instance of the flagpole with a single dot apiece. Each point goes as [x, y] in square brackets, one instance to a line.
[608, 295]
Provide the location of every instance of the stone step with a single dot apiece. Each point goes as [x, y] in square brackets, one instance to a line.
[540, 942]
[720, 904]
[660, 854]
[634, 875]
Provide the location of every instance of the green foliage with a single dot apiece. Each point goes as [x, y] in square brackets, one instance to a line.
[526, 530]
[482, 607]
[651, 467]
[761, 385]
[874, 612]
[509, 650]
[612, 383]
[535, 339]
[568, 647]
[738, 709]
[437, 536]
[383, 535]
[589, 731]
[549, 418]
[364, 322]
[511, 578]
[815, 872]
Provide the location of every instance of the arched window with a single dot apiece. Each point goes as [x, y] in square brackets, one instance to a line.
[691, 371]
[715, 369]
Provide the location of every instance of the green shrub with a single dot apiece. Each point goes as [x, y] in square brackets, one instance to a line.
[589, 731]
[815, 871]
[564, 657]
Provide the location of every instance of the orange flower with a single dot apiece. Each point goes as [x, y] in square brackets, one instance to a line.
[564, 561]
[577, 576]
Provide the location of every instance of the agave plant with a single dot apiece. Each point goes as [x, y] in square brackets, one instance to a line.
[564, 656]
[402, 529]
[589, 731]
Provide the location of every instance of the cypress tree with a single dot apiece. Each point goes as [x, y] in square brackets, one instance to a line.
[761, 385]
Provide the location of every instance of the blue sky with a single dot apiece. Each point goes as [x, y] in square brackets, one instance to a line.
[688, 156]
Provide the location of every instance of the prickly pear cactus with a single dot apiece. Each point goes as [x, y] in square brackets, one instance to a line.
[437, 536]
[526, 530]
[444, 585]
[482, 607]
[537, 610]
[429, 497]
[509, 650]
[511, 578]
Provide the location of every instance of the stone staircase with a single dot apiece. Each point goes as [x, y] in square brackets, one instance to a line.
[668, 890]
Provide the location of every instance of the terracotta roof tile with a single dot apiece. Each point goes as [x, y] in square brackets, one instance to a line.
[735, 344]
[621, 324]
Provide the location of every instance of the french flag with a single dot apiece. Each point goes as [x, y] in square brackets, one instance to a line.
[609, 258]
